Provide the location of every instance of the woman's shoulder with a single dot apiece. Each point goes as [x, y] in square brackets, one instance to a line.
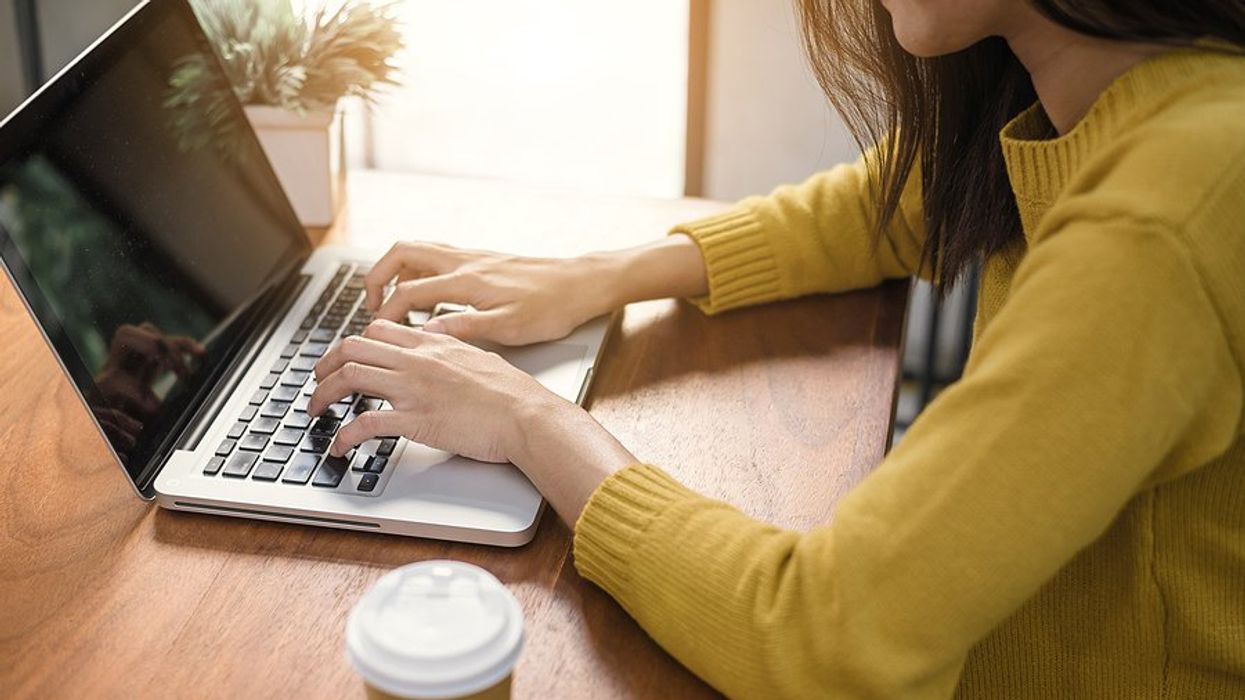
[1178, 153]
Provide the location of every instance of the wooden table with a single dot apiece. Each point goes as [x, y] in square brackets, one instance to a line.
[778, 409]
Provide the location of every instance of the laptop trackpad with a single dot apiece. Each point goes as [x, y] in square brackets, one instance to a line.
[556, 365]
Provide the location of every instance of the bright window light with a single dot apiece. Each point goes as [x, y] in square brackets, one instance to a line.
[578, 94]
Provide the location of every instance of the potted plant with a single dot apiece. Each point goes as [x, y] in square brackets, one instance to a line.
[291, 70]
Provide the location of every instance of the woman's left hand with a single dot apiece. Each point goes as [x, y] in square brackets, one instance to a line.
[456, 397]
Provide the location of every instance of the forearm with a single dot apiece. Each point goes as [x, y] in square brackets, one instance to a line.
[670, 267]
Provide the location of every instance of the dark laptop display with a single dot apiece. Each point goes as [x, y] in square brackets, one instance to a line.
[144, 226]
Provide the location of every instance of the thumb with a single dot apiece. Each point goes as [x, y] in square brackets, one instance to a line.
[464, 325]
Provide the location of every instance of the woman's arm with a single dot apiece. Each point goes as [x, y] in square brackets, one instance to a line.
[1106, 371]
[814, 237]
[801, 239]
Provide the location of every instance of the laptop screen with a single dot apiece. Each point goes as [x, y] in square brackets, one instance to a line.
[143, 225]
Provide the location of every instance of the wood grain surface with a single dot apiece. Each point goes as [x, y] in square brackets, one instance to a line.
[779, 410]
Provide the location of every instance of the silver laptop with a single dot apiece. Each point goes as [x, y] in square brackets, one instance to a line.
[152, 243]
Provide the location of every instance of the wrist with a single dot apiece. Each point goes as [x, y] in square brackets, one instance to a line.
[670, 267]
[608, 280]
[565, 453]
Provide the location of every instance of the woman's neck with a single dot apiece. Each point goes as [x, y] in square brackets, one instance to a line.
[1070, 70]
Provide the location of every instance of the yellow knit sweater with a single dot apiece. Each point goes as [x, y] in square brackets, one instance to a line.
[1067, 520]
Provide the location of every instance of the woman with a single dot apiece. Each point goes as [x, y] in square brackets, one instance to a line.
[1068, 520]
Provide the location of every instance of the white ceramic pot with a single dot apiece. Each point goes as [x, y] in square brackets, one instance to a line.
[307, 153]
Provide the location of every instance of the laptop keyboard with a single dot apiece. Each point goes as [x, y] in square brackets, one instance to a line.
[274, 439]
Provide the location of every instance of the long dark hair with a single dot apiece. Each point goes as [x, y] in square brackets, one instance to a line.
[946, 112]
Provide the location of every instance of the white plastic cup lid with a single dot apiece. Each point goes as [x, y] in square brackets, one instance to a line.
[435, 629]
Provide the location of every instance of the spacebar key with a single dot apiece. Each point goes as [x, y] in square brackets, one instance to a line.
[331, 472]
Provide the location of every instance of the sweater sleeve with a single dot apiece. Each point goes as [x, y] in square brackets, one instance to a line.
[1106, 371]
[808, 238]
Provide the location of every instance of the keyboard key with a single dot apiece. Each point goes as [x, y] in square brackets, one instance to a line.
[267, 426]
[299, 337]
[310, 388]
[367, 403]
[285, 393]
[314, 349]
[304, 364]
[275, 409]
[268, 471]
[297, 420]
[331, 472]
[301, 468]
[294, 378]
[248, 414]
[253, 441]
[259, 397]
[316, 444]
[309, 322]
[386, 447]
[279, 453]
[213, 466]
[368, 483]
[279, 366]
[288, 436]
[375, 464]
[325, 426]
[236, 431]
[289, 351]
[240, 464]
[270, 381]
[337, 411]
[225, 447]
[301, 403]
[321, 336]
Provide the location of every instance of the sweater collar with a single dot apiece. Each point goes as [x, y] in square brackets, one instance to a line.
[1040, 167]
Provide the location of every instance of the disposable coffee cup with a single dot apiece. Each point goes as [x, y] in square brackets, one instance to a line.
[436, 630]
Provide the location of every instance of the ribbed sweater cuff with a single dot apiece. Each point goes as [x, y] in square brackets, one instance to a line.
[738, 258]
[615, 520]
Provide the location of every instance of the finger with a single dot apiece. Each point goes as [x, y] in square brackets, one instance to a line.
[368, 425]
[395, 334]
[173, 359]
[402, 260]
[360, 349]
[351, 378]
[186, 344]
[142, 340]
[132, 399]
[468, 325]
[385, 269]
[421, 294]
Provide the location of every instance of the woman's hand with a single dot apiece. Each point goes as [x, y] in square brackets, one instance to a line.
[520, 300]
[444, 393]
[123, 398]
[517, 300]
[456, 397]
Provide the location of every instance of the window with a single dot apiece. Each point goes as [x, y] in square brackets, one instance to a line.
[579, 94]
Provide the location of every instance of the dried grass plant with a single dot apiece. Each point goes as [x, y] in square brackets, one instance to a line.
[276, 56]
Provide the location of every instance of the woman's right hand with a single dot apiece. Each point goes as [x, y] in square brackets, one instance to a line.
[516, 300]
